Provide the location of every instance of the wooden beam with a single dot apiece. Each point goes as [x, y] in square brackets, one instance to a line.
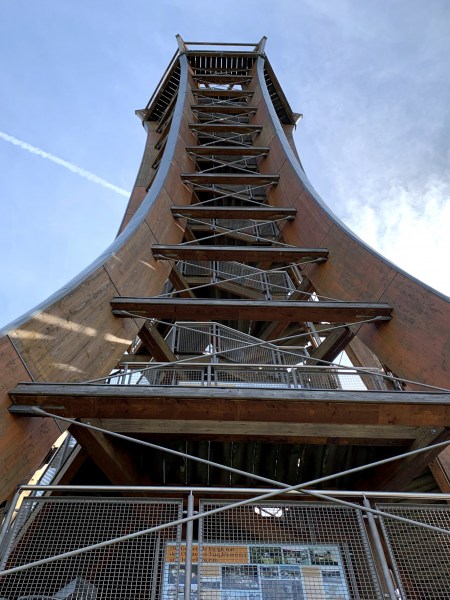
[111, 457]
[180, 283]
[189, 235]
[227, 109]
[283, 433]
[227, 150]
[287, 311]
[335, 342]
[208, 93]
[440, 467]
[222, 78]
[225, 127]
[399, 475]
[230, 178]
[243, 254]
[71, 467]
[269, 213]
[412, 409]
[155, 343]
[361, 356]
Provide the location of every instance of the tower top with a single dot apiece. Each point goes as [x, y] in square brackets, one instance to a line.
[256, 46]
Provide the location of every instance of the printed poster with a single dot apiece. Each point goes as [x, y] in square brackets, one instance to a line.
[257, 572]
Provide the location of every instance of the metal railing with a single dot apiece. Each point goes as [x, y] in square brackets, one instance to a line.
[248, 376]
[275, 548]
[215, 339]
[272, 283]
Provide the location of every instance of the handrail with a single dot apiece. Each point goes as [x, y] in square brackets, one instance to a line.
[248, 375]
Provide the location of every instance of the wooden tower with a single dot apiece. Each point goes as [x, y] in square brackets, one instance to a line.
[213, 323]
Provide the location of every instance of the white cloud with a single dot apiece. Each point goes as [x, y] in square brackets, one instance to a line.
[408, 226]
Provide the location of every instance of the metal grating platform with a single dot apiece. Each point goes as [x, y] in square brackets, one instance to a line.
[288, 551]
[46, 527]
[421, 557]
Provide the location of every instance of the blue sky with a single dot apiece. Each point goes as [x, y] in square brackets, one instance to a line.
[370, 76]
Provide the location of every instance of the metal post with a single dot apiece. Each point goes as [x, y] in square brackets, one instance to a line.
[265, 282]
[181, 44]
[7, 522]
[188, 559]
[379, 552]
[155, 571]
[295, 383]
[260, 46]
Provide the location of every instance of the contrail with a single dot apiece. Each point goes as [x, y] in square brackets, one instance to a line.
[63, 163]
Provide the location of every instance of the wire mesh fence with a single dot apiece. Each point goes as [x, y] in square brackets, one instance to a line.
[420, 557]
[285, 551]
[45, 527]
[260, 551]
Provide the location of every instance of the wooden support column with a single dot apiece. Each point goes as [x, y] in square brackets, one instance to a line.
[155, 343]
[440, 467]
[361, 356]
[398, 476]
[111, 457]
[332, 345]
[71, 467]
[189, 235]
[180, 283]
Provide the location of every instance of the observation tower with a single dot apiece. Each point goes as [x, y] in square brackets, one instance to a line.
[239, 398]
